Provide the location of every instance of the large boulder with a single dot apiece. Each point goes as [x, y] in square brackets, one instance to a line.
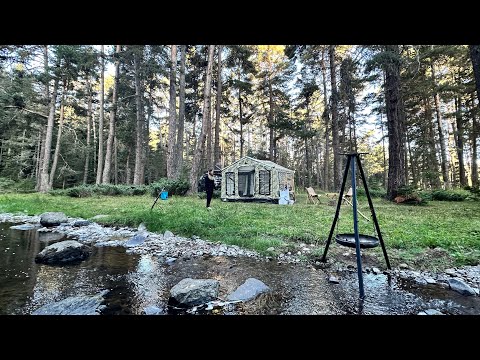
[458, 285]
[63, 252]
[249, 290]
[190, 292]
[52, 219]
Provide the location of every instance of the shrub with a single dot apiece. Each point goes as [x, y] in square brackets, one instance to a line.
[174, 187]
[449, 195]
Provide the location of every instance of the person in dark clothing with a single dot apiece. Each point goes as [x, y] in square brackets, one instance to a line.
[209, 186]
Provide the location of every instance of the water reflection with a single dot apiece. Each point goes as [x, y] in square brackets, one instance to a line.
[140, 284]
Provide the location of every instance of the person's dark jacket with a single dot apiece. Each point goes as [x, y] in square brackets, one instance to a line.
[209, 184]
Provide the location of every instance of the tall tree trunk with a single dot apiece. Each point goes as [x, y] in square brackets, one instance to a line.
[138, 175]
[128, 170]
[44, 176]
[106, 176]
[172, 120]
[473, 140]
[38, 158]
[459, 141]
[326, 120]
[146, 139]
[198, 154]
[216, 146]
[181, 113]
[384, 182]
[100, 120]
[432, 163]
[413, 163]
[475, 56]
[271, 121]
[337, 162]
[59, 138]
[395, 121]
[89, 126]
[47, 107]
[240, 114]
[94, 131]
[441, 134]
[307, 153]
[209, 157]
[115, 157]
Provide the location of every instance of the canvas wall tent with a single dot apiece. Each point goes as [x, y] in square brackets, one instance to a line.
[249, 179]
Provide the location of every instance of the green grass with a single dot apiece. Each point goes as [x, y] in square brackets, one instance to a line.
[407, 230]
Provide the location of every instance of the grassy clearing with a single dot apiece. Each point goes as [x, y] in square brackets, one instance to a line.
[408, 231]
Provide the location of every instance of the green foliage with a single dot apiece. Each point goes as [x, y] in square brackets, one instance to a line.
[23, 186]
[375, 192]
[449, 195]
[104, 189]
[174, 187]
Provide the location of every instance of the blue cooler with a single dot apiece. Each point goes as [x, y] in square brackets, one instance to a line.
[164, 195]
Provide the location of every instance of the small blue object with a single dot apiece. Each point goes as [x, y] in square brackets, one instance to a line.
[164, 195]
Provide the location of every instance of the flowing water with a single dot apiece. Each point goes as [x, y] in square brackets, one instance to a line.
[139, 284]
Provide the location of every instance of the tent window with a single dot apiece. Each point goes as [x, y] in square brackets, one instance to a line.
[230, 182]
[264, 182]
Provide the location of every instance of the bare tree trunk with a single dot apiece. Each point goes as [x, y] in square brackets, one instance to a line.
[138, 175]
[115, 162]
[59, 137]
[44, 176]
[128, 171]
[209, 157]
[432, 163]
[172, 122]
[413, 163]
[89, 121]
[271, 122]
[441, 134]
[326, 159]
[106, 176]
[240, 114]
[206, 115]
[94, 131]
[38, 157]
[337, 162]
[384, 155]
[47, 105]
[459, 141]
[474, 136]
[100, 120]
[181, 114]
[475, 57]
[396, 120]
[308, 172]
[216, 146]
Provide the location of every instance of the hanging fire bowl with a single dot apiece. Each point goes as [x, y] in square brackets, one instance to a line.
[366, 241]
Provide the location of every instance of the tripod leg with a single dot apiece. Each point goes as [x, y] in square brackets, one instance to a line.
[374, 216]
[156, 200]
[337, 212]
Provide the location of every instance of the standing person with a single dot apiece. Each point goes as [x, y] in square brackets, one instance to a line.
[209, 186]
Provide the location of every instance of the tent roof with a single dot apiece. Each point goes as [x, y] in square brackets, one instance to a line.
[266, 163]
